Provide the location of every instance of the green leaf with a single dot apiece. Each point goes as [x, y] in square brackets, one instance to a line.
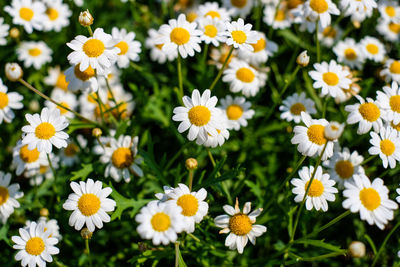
[321, 244]
[371, 243]
[3, 234]
[82, 173]
[181, 262]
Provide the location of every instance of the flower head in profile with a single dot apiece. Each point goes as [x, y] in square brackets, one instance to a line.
[391, 71]
[8, 102]
[9, 193]
[320, 10]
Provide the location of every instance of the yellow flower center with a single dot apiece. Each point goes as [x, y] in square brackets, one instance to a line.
[319, 6]
[234, 112]
[316, 188]
[159, 46]
[280, 15]
[395, 67]
[372, 48]
[63, 110]
[210, 31]
[239, 37]
[93, 48]
[245, 75]
[34, 52]
[370, 198]
[62, 82]
[350, 54]
[191, 16]
[160, 222]
[123, 46]
[43, 169]
[395, 126]
[199, 115]
[179, 36]
[315, 134]
[239, 3]
[330, 78]
[387, 147]
[369, 111]
[394, 27]
[122, 157]
[329, 32]
[297, 108]
[344, 169]
[45, 131]
[35, 246]
[89, 204]
[260, 45]
[84, 75]
[26, 13]
[240, 224]
[223, 57]
[3, 100]
[28, 156]
[3, 195]
[71, 150]
[294, 3]
[395, 103]
[213, 14]
[189, 205]
[390, 11]
[52, 13]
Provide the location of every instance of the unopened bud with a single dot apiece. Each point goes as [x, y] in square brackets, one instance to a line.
[14, 33]
[34, 105]
[44, 212]
[357, 249]
[13, 72]
[191, 164]
[85, 18]
[303, 59]
[333, 130]
[86, 234]
[96, 132]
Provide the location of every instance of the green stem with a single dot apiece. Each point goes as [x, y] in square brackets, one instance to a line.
[368, 159]
[177, 254]
[259, 15]
[384, 243]
[88, 251]
[317, 41]
[211, 157]
[100, 103]
[222, 69]
[190, 179]
[51, 166]
[89, 30]
[204, 59]
[180, 77]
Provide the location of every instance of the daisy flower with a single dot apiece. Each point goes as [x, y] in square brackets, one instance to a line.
[371, 200]
[3, 31]
[69, 155]
[277, 18]
[329, 35]
[56, 78]
[321, 10]
[90, 205]
[321, 189]
[35, 245]
[66, 99]
[389, 30]
[310, 138]
[97, 51]
[262, 50]
[179, 36]
[160, 222]
[81, 80]
[213, 30]
[349, 53]
[26, 160]
[212, 9]
[45, 130]
[216, 140]
[367, 114]
[391, 72]
[372, 48]
[156, 52]
[344, 165]
[34, 54]
[121, 157]
[239, 8]
[129, 48]
[242, 78]
[307, 23]
[389, 10]
[386, 145]
[331, 78]
[8, 102]
[295, 104]
[240, 35]
[219, 55]
[30, 14]
[199, 115]
[389, 102]
[57, 15]
[49, 225]
[358, 10]
[237, 111]
[240, 225]
[9, 193]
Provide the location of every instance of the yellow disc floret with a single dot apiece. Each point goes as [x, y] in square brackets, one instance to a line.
[234, 112]
[62, 82]
[395, 67]
[350, 54]
[297, 108]
[372, 48]
[316, 188]
[52, 13]
[179, 36]
[160, 222]
[319, 6]
[213, 14]
[210, 30]
[45, 131]
[239, 37]
[330, 78]
[199, 115]
[3, 195]
[280, 15]
[3, 100]
[315, 134]
[34, 52]
[390, 11]
[93, 48]
[28, 156]
[89, 204]
[123, 46]
[189, 205]
[35, 246]
[240, 224]
[260, 45]
[370, 198]
[369, 111]
[122, 157]
[26, 13]
[71, 150]
[239, 3]
[84, 75]
[387, 147]
[344, 169]
[245, 75]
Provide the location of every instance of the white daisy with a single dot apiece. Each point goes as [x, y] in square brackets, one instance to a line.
[367, 114]
[391, 72]
[9, 193]
[389, 30]
[45, 130]
[349, 53]
[310, 138]
[49, 225]
[277, 18]
[237, 111]
[389, 10]
[262, 50]
[179, 36]
[389, 102]
[3, 32]
[321, 189]
[121, 158]
[372, 48]
[34, 54]
[295, 104]
[90, 205]
[239, 8]
[343, 165]
[56, 78]
[370, 200]
[213, 30]
[218, 139]
[240, 225]
[307, 23]
[66, 99]
[26, 160]
[160, 222]
[386, 145]
[81, 80]
[97, 51]
[242, 78]
[128, 46]
[35, 245]
[321, 10]
[240, 35]
[358, 10]
[156, 52]
[27, 13]
[57, 15]
[199, 114]
[329, 35]
[219, 55]
[331, 78]
[212, 9]
[8, 102]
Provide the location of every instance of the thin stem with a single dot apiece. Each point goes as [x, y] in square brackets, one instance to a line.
[205, 53]
[211, 157]
[190, 179]
[88, 251]
[317, 41]
[100, 103]
[177, 254]
[112, 97]
[221, 70]
[368, 159]
[180, 77]
[384, 243]
[259, 15]
[51, 165]
[89, 30]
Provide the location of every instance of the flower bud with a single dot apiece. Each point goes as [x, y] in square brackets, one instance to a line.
[44, 212]
[191, 164]
[13, 72]
[303, 59]
[96, 132]
[333, 130]
[357, 249]
[85, 18]
[86, 234]
[34, 105]
[14, 33]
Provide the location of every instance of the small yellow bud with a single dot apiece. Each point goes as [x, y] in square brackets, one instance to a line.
[86, 234]
[85, 18]
[191, 164]
[13, 71]
[357, 249]
[333, 130]
[303, 59]
[44, 212]
[97, 132]
[14, 33]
